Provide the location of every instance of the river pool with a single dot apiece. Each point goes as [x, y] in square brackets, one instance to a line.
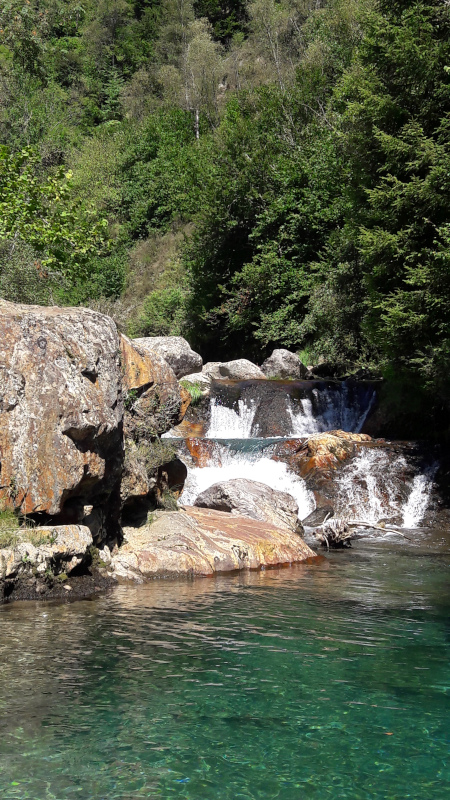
[325, 680]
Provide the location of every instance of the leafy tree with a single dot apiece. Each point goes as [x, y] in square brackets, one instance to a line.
[397, 106]
[41, 213]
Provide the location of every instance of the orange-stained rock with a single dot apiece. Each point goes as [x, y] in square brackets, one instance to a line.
[61, 407]
[203, 450]
[199, 541]
[188, 429]
[320, 455]
[137, 368]
[161, 402]
[185, 401]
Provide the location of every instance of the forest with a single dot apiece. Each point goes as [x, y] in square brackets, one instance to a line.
[251, 175]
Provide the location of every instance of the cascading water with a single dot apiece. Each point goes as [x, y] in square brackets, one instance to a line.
[330, 409]
[322, 408]
[228, 463]
[374, 487]
[226, 423]
[247, 420]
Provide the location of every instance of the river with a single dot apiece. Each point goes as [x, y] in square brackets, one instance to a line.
[325, 680]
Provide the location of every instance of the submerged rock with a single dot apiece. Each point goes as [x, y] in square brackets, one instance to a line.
[284, 364]
[175, 350]
[197, 541]
[252, 499]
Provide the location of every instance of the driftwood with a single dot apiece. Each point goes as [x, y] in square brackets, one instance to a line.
[338, 533]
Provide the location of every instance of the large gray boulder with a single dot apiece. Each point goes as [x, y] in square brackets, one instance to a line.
[212, 370]
[284, 364]
[61, 409]
[252, 499]
[240, 370]
[175, 350]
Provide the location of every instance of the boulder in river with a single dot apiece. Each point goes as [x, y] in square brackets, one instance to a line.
[200, 541]
[252, 499]
[175, 350]
[284, 364]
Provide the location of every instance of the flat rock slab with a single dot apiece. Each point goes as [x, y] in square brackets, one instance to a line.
[202, 541]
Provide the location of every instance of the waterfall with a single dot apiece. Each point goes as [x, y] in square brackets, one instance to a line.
[228, 464]
[419, 498]
[376, 485]
[248, 420]
[340, 406]
[225, 423]
[330, 409]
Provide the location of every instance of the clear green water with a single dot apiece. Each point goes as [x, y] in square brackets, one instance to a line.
[324, 681]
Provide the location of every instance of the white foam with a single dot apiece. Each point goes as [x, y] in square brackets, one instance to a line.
[225, 423]
[230, 465]
[372, 487]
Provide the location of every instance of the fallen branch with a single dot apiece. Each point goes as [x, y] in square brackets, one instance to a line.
[338, 533]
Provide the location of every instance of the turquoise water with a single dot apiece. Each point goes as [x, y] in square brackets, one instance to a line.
[319, 681]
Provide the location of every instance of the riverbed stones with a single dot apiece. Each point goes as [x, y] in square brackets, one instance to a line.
[283, 364]
[175, 350]
[252, 499]
[155, 405]
[200, 541]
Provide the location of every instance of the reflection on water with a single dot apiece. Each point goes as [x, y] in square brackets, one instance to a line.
[318, 681]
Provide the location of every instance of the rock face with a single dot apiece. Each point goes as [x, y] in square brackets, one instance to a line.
[155, 400]
[240, 370]
[61, 410]
[59, 549]
[175, 350]
[197, 541]
[254, 500]
[284, 364]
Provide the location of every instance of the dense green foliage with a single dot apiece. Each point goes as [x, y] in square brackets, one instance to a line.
[253, 174]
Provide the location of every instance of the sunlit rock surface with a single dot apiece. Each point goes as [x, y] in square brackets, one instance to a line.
[175, 350]
[284, 364]
[252, 499]
[60, 549]
[197, 541]
[61, 408]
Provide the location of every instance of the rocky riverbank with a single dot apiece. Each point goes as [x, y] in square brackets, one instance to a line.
[83, 467]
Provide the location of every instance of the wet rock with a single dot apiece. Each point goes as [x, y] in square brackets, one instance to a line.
[284, 364]
[175, 350]
[319, 456]
[197, 541]
[61, 409]
[240, 370]
[252, 499]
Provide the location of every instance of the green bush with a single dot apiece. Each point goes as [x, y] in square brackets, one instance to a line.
[163, 314]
